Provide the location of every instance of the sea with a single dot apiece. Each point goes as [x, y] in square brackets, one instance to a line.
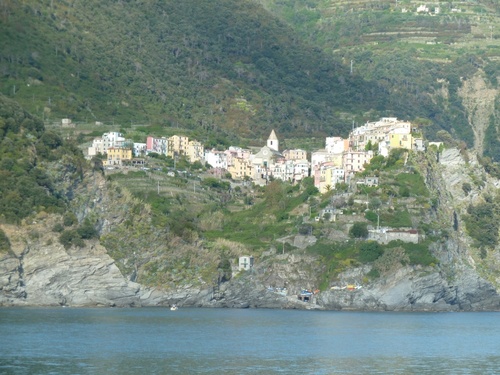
[245, 341]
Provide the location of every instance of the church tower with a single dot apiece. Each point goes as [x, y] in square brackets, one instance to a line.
[272, 141]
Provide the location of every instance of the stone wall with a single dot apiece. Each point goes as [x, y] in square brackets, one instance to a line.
[385, 236]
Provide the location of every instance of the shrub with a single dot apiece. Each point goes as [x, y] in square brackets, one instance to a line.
[69, 219]
[372, 216]
[482, 224]
[466, 187]
[4, 242]
[69, 238]
[305, 229]
[359, 230]
[87, 230]
[373, 274]
[370, 251]
[58, 228]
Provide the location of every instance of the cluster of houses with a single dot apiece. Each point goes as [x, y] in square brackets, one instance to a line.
[338, 162]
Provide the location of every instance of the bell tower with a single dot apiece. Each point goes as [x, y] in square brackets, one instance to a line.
[272, 141]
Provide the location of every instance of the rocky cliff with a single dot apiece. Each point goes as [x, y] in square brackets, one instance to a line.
[39, 271]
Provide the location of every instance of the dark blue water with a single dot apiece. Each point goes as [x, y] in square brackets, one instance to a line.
[225, 341]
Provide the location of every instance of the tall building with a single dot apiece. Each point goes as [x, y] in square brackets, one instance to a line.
[272, 141]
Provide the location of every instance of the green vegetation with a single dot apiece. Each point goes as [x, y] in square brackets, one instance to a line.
[218, 70]
[4, 242]
[26, 155]
[418, 254]
[337, 257]
[167, 66]
[76, 236]
[369, 251]
[269, 218]
[358, 230]
[224, 73]
[409, 56]
[482, 222]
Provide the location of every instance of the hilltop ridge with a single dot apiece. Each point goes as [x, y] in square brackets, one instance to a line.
[305, 69]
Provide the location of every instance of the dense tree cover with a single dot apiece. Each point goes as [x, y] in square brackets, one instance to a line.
[178, 63]
[25, 148]
[482, 222]
[492, 141]
[230, 69]
[410, 58]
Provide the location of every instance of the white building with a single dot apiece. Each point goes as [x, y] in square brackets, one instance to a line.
[319, 157]
[273, 142]
[139, 149]
[245, 263]
[216, 159]
[102, 144]
[336, 145]
[423, 9]
[354, 161]
[376, 132]
[301, 170]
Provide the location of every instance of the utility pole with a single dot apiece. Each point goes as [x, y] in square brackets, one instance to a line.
[351, 67]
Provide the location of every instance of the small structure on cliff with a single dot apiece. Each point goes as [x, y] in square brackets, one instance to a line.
[245, 263]
[386, 235]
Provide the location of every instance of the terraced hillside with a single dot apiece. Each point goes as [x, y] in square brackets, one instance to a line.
[340, 24]
[425, 55]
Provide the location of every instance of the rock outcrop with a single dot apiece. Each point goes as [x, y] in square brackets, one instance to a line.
[39, 271]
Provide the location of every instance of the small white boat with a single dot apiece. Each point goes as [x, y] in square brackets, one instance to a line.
[174, 307]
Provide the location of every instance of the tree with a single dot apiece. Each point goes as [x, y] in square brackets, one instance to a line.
[359, 230]
[370, 251]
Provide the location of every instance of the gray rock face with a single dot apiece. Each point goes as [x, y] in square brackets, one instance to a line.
[48, 275]
[408, 291]
[40, 272]
[52, 276]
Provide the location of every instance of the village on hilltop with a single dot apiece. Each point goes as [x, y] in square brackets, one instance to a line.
[338, 162]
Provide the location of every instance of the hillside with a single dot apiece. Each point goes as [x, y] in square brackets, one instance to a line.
[74, 234]
[238, 69]
[423, 59]
[189, 64]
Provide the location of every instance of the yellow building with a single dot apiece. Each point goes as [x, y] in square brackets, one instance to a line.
[177, 145]
[240, 168]
[327, 176]
[116, 155]
[195, 151]
[297, 154]
[400, 141]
